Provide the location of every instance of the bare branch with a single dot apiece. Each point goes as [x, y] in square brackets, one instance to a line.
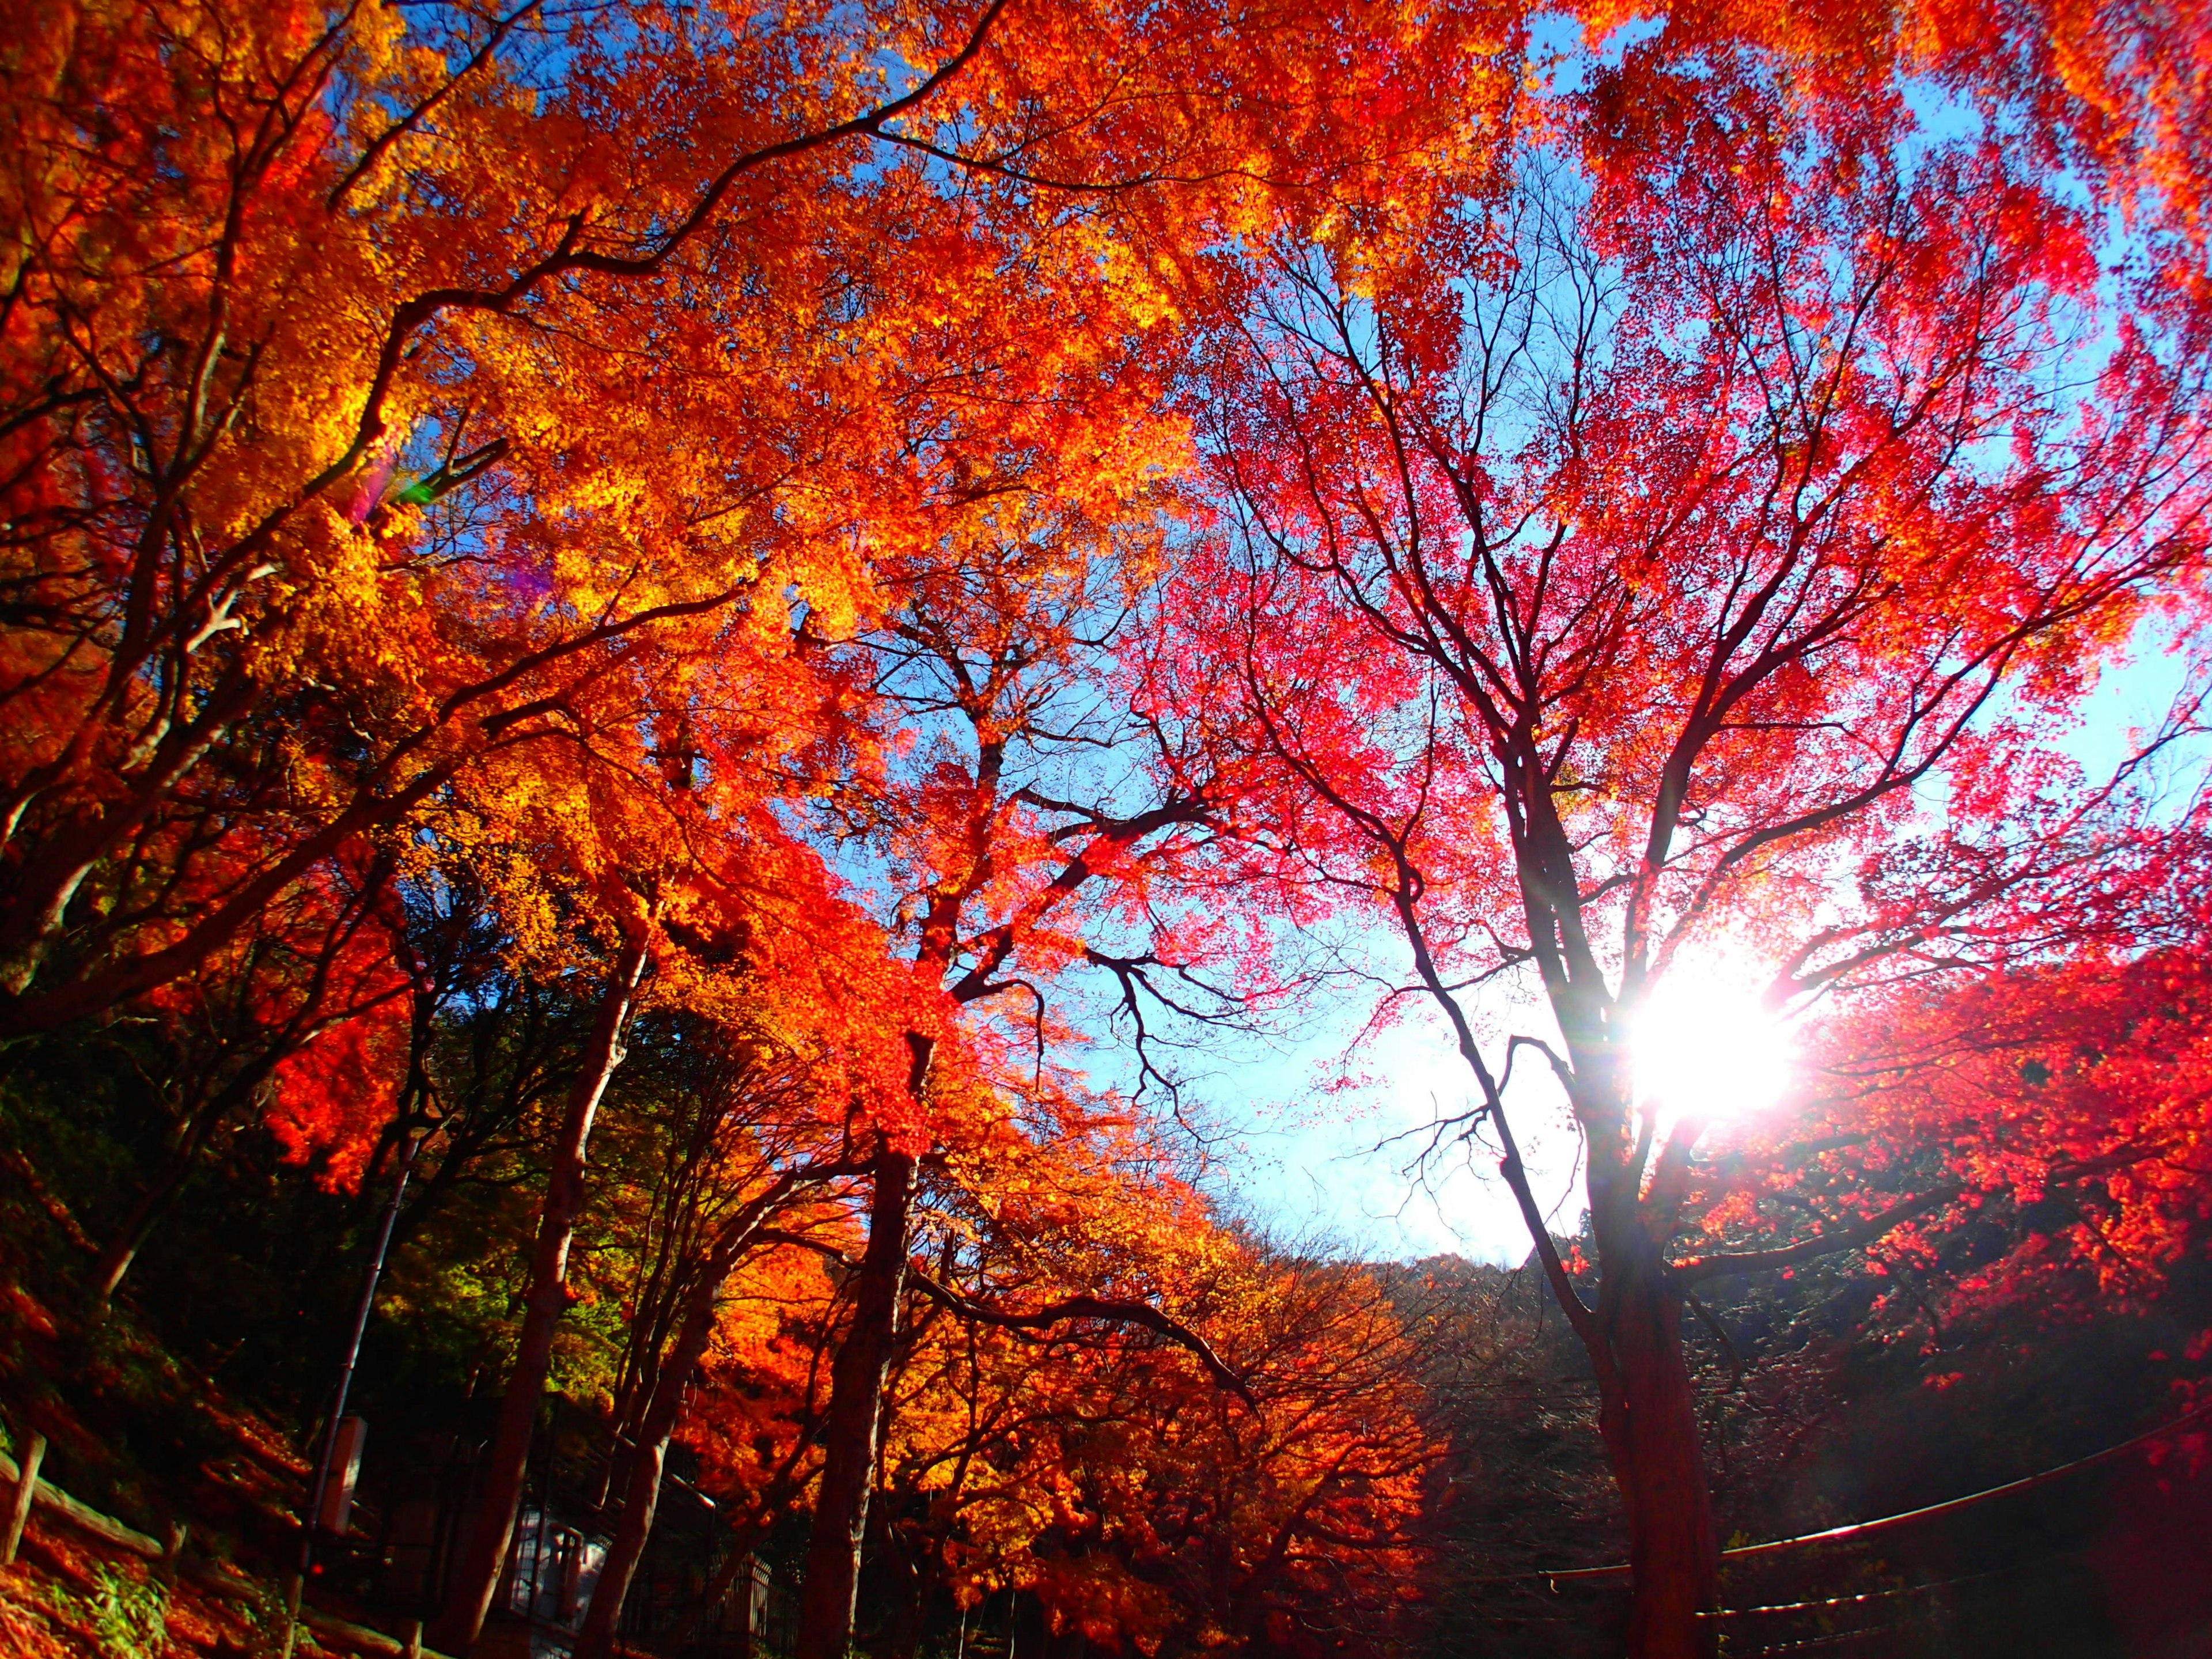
[1856, 1236]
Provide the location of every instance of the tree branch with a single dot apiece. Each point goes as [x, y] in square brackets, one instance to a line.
[1054, 1313]
[1859, 1234]
[1092, 1307]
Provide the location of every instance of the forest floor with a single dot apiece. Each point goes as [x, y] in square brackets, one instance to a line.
[137, 1436]
[68, 1597]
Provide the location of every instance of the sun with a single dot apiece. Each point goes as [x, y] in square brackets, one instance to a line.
[1705, 1048]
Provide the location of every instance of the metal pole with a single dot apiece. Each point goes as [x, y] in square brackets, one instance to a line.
[312, 1518]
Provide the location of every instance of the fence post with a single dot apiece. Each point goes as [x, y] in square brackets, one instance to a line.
[166, 1569]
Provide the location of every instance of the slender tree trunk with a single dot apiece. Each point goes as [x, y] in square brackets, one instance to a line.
[1648, 1419]
[656, 1419]
[855, 1418]
[32, 1454]
[114, 1261]
[641, 1489]
[656, 1423]
[483, 1552]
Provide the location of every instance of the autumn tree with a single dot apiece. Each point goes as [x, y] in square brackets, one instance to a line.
[991, 626]
[2114, 94]
[660, 869]
[1616, 576]
[1055, 1425]
[761, 1396]
[998, 662]
[310, 456]
[224, 452]
[793, 1086]
[1137, 1501]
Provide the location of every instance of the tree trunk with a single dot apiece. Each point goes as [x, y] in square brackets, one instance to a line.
[32, 1454]
[114, 1262]
[1648, 1419]
[649, 1457]
[483, 1552]
[855, 1418]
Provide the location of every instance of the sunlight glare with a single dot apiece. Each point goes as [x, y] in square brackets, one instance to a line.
[1708, 1049]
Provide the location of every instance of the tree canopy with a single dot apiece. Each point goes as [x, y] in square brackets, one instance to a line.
[670, 672]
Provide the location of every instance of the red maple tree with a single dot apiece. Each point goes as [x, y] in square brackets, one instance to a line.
[1608, 580]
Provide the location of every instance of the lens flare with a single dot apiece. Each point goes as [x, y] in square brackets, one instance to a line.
[1704, 1048]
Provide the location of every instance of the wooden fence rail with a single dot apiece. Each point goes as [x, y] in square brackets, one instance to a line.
[170, 1561]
